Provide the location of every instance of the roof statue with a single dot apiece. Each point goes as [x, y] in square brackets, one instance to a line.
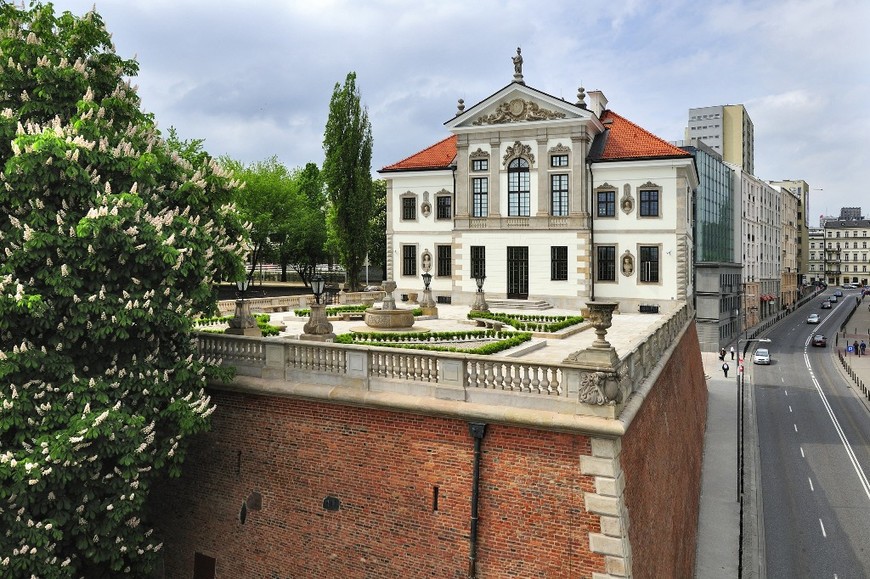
[518, 66]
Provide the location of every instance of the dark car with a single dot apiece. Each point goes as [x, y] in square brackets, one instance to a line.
[826, 305]
[820, 340]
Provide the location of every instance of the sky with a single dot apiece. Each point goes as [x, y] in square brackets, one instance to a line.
[254, 78]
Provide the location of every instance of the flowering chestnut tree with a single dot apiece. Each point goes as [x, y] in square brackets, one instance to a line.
[110, 239]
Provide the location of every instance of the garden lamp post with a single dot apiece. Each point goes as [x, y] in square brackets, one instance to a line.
[480, 304]
[427, 304]
[318, 328]
[243, 323]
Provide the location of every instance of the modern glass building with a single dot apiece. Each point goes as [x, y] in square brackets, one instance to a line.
[717, 268]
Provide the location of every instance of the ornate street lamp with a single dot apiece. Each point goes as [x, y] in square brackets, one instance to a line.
[317, 286]
[317, 327]
[243, 323]
[480, 304]
[427, 304]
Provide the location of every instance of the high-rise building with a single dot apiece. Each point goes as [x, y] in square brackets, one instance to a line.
[728, 130]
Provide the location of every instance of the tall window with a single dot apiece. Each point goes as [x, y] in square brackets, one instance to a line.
[649, 203]
[559, 262]
[478, 261]
[518, 188]
[443, 266]
[606, 263]
[479, 197]
[606, 203]
[559, 195]
[480, 164]
[409, 208]
[409, 260]
[649, 263]
[442, 207]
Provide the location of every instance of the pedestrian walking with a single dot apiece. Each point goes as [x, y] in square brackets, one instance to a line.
[855, 347]
[725, 368]
[722, 354]
[863, 347]
[732, 352]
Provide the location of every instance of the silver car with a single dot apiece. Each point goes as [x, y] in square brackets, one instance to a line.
[761, 356]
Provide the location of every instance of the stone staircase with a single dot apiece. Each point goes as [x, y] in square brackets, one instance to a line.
[505, 304]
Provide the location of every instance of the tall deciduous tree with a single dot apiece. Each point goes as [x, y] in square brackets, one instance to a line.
[110, 239]
[378, 225]
[347, 144]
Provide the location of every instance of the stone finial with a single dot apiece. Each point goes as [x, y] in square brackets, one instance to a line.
[581, 97]
[460, 106]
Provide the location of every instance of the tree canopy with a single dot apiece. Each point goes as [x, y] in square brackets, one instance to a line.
[347, 144]
[111, 238]
[286, 212]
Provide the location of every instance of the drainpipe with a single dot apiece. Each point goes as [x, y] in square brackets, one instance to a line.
[477, 430]
[592, 256]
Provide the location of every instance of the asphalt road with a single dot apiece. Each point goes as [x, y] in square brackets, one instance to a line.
[814, 448]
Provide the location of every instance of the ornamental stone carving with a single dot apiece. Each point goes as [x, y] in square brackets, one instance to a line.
[599, 388]
[518, 110]
[479, 154]
[559, 149]
[627, 201]
[518, 150]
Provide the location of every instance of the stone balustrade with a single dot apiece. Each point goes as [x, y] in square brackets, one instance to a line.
[289, 303]
[559, 387]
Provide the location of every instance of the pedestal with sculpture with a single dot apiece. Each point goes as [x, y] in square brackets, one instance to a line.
[479, 304]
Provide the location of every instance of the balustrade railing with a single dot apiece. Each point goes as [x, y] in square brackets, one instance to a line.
[487, 379]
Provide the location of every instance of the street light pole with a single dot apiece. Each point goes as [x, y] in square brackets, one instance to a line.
[741, 377]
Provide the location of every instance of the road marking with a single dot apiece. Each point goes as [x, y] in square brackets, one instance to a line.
[786, 392]
[811, 484]
[824, 534]
[862, 477]
[795, 427]
[789, 408]
[802, 452]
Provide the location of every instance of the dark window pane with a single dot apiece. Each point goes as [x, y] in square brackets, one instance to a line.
[606, 263]
[559, 263]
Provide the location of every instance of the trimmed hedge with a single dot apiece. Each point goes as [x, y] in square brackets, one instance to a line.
[423, 340]
[262, 323]
[529, 322]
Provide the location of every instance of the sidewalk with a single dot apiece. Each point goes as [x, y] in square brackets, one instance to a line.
[717, 554]
[856, 328]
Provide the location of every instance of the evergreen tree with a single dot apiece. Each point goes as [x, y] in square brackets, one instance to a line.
[347, 144]
[110, 240]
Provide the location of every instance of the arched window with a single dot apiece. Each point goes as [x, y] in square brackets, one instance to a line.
[518, 188]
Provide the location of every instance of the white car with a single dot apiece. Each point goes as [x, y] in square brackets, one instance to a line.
[813, 319]
[761, 356]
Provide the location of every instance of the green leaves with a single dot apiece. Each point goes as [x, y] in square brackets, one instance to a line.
[109, 242]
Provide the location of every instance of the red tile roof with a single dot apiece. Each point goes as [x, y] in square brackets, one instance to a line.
[438, 156]
[623, 140]
[626, 140]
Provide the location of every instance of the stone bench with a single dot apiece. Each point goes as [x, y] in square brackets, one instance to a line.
[489, 324]
[351, 316]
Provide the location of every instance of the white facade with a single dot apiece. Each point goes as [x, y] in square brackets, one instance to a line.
[538, 232]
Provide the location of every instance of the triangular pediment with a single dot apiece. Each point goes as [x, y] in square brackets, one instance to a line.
[518, 104]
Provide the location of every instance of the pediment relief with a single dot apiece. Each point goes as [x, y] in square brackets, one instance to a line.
[559, 148]
[518, 110]
[479, 154]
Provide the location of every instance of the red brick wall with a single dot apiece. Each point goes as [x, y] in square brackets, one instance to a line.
[383, 467]
[661, 457]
